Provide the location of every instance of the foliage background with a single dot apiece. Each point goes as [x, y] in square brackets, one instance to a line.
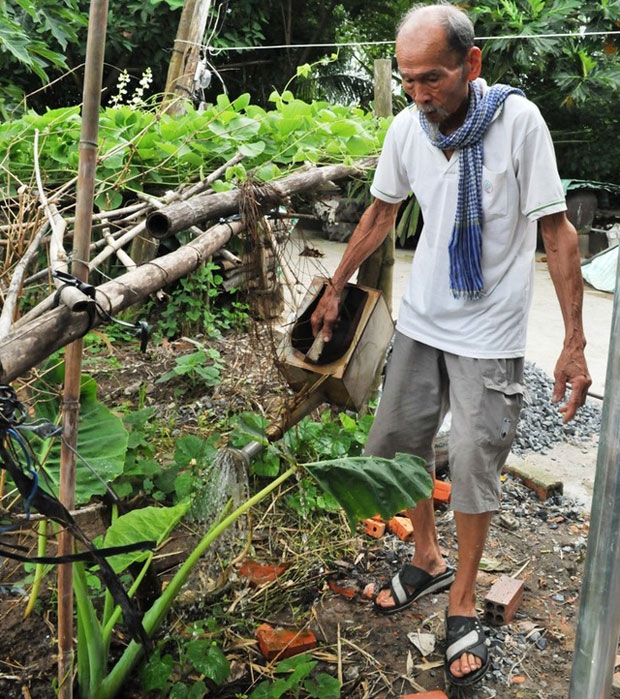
[575, 81]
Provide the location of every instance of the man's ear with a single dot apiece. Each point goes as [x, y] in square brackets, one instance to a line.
[473, 63]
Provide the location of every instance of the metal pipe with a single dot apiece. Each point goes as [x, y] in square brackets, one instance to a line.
[598, 626]
[291, 417]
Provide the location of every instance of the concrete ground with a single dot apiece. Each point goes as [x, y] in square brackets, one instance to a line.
[311, 255]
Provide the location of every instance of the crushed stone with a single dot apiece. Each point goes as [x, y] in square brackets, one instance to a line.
[540, 424]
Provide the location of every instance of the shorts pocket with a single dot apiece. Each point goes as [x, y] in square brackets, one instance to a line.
[500, 404]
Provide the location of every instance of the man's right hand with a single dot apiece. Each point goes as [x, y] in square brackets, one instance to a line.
[326, 313]
[372, 229]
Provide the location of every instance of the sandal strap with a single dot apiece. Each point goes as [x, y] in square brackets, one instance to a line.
[468, 638]
[408, 575]
[413, 576]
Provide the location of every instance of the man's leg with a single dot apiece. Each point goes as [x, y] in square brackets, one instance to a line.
[485, 398]
[427, 554]
[412, 407]
[471, 531]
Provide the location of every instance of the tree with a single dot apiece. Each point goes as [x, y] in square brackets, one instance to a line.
[574, 80]
[43, 46]
[33, 39]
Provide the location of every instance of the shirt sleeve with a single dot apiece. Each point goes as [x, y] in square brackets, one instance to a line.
[537, 171]
[390, 182]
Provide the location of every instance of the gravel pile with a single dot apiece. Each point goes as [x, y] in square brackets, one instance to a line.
[540, 425]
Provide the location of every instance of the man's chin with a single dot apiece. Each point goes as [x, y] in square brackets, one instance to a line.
[435, 116]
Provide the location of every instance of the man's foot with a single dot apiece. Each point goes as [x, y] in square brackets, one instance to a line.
[467, 653]
[408, 585]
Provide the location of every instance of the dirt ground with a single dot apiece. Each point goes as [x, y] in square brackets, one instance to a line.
[330, 574]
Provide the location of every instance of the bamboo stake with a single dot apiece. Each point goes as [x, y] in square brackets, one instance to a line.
[95, 48]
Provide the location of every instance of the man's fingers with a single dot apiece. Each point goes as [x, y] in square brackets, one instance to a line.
[569, 410]
[559, 389]
[578, 395]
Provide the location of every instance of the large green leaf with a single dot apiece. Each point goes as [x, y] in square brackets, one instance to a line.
[146, 524]
[101, 442]
[369, 485]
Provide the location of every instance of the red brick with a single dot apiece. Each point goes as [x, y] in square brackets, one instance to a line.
[260, 573]
[503, 600]
[441, 492]
[374, 528]
[283, 643]
[344, 588]
[435, 694]
[402, 527]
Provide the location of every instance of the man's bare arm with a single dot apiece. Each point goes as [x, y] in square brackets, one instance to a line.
[372, 229]
[561, 246]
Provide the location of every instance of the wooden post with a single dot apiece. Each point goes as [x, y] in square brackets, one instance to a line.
[186, 54]
[383, 87]
[177, 59]
[377, 270]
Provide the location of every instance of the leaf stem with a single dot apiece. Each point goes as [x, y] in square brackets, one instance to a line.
[111, 684]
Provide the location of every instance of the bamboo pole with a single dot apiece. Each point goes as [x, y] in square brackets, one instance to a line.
[30, 343]
[181, 215]
[95, 48]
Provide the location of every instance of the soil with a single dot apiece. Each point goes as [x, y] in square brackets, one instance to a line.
[329, 573]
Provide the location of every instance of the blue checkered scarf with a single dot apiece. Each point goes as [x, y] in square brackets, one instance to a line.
[466, 243]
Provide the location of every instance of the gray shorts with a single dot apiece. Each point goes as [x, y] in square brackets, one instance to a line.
[484, 397]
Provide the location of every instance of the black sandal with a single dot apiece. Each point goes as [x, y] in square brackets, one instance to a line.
[423, 583]
[464, 634]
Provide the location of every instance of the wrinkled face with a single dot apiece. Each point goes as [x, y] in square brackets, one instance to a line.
[434, 77]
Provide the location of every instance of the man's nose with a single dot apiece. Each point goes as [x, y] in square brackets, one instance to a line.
[420, 94]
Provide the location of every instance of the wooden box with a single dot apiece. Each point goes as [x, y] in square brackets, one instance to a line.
[346, 368]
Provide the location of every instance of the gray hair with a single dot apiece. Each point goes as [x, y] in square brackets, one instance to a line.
[456, 24]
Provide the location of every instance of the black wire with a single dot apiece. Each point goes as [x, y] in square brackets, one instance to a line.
[12, 416]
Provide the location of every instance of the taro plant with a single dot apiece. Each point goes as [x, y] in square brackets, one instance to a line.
[363, 486]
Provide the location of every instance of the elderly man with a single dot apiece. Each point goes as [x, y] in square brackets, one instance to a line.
[481, 164]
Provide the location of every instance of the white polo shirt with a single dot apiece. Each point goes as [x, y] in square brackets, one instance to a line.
[520, 184]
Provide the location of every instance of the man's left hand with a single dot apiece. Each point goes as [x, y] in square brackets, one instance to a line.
[572, 369]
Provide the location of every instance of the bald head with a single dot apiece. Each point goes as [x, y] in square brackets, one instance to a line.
[455, 24]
